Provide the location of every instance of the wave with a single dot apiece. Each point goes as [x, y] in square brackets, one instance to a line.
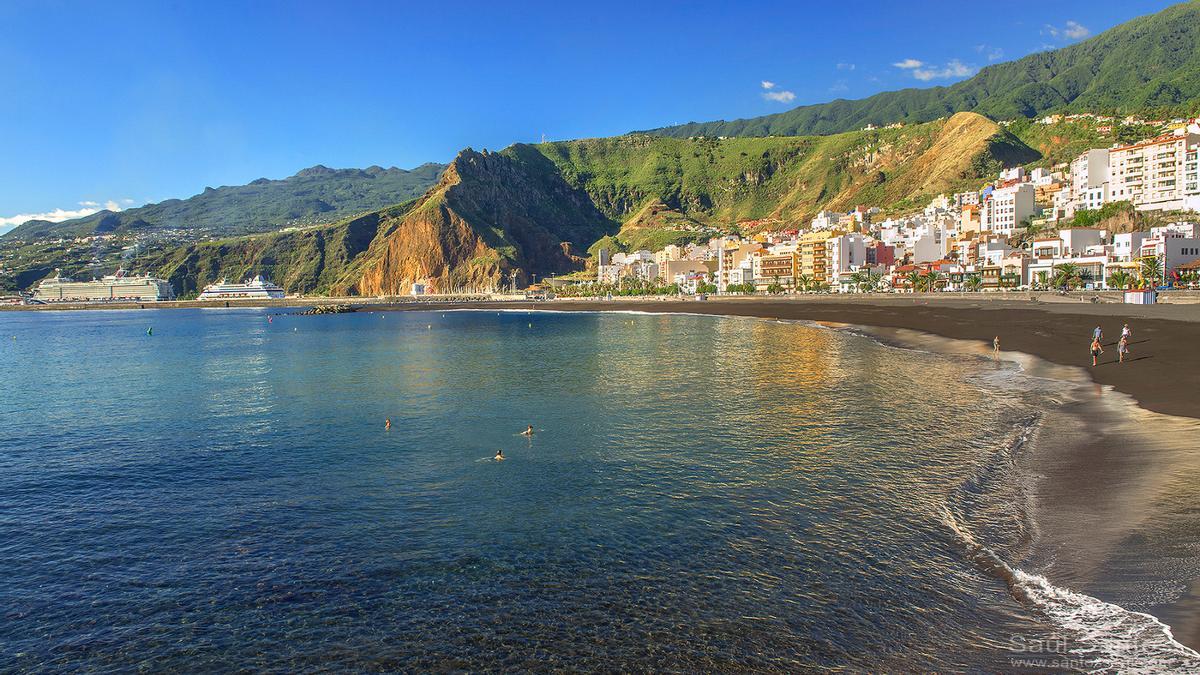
[1102, 636]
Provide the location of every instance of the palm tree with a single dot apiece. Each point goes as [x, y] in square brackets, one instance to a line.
[874, 280]
[931, 279]
[1152, 270]
[1043, 279]
[1068, 275]
[914, 279]
[1119, 280]
[973, 282]
[803, 282]
[857, 280]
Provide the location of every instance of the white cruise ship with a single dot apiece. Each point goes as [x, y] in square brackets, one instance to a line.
[256, 288]
[113, 288]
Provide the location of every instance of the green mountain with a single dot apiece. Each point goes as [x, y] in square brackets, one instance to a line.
[315, 195]
[532, 210]
[1150, 62]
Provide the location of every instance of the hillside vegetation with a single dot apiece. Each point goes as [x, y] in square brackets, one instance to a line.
[315, 195]
[1150, 62]
[534, 210]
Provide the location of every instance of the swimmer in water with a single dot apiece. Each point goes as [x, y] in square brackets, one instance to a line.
[528, 431]
[387, 424]
[499, 455]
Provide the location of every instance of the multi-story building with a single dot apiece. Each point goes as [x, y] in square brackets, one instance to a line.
[1089, 181]
[776, 268]
[814, 257]
[1078, 240]
[845, 253]
[1007, 208]
[1151, 173]
[1125, 246]
[1191, 178]
[729, 260]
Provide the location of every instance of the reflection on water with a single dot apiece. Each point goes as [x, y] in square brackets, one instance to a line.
[702, 494]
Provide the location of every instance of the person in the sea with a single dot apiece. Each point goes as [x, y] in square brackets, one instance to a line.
[528, 431]
[499, 456]
[996, 348]
[1122, 349]
[387, 424]
[1097, 350]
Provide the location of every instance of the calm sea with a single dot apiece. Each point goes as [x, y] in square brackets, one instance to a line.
[701, 494]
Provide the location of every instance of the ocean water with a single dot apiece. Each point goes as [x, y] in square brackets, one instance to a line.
[701, 494]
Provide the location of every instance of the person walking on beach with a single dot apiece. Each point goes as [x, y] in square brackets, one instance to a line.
[996, 348]
[1122, 349]
[1097, 350]
[1126, 333]
[1097, 334]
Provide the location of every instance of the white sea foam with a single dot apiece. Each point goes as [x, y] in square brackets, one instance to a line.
[1104, 635]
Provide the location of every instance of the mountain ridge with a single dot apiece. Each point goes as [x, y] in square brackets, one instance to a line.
[1150, 61]
[312, 195]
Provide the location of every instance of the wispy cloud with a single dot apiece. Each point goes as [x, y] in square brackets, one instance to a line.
[927, 72]
[86, 208]
[846, 66]
[909, 64]
[839, 86]
[989, 52]
[1072, 30]
[770, 93]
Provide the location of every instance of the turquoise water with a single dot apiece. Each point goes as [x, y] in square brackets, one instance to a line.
[701, 494]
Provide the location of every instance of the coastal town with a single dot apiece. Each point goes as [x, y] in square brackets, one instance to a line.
[1039, 229]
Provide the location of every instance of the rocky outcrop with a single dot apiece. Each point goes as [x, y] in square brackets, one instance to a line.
[492, 218]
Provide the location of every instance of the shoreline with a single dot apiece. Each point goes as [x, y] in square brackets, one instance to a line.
[1161, 374]
[950, 326]
[1063, 472]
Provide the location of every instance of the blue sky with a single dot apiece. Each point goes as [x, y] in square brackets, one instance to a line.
[125, 103]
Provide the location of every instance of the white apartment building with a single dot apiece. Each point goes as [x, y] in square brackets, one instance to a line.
[1007, 207]
[1151, 173]
[1127, 245]
[1089, 180]
[845, 253]
[1077, 240]
[1191, 178]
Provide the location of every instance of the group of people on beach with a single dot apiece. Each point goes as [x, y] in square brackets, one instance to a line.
[1122, 345]
[1096, 348]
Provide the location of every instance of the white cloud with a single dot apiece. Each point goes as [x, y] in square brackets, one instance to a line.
[839, 86]
[767, 84]
[1073, 30]
[86, 208]
[779, 96]
[1076, 31]
[954, 68]
[846, 66]
[909, 64]
[992, 53]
